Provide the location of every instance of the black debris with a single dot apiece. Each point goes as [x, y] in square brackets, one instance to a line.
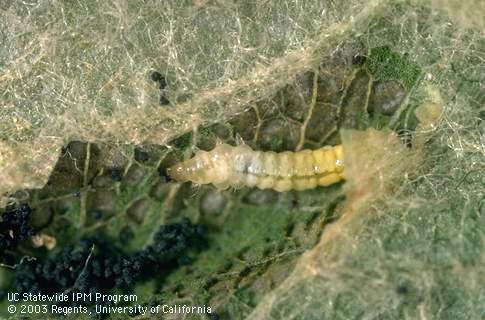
[14, 227]
[157, 77]
[95, 265]
[162, 84]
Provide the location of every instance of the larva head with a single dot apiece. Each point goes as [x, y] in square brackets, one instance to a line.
[205, 167]
[178, 172]
[194, 169]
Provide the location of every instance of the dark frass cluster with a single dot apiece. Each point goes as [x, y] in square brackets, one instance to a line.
[95, 265]
[162, 84]
[14, 227]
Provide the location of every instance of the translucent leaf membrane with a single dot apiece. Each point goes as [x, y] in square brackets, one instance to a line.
[18, 159]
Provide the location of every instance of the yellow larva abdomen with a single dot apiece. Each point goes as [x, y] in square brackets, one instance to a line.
[284, 164]
[304, 163]
[227, 166]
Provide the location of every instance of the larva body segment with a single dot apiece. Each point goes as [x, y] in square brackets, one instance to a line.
[227, 166]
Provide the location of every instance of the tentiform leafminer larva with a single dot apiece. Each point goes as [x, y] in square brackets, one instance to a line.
[227, 166]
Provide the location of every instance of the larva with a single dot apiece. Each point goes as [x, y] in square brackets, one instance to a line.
[227, 166]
